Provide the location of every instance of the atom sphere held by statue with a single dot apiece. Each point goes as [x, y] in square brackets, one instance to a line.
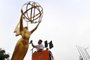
[32, 12]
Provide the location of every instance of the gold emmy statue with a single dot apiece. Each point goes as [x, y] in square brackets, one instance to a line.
[31, 12]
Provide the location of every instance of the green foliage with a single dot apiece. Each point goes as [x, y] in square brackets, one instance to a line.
[3, 55]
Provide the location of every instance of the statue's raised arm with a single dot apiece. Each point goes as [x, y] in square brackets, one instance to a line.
[35, 27]
[21, 21]
[19, 26]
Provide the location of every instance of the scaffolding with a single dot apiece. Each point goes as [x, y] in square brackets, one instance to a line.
[83, 54]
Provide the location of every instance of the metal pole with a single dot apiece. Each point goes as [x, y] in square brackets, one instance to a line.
[81, 52]
[32, 53]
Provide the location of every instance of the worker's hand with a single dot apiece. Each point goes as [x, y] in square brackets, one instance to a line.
[31, 42]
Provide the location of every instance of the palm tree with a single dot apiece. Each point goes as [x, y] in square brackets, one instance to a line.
[3, 55]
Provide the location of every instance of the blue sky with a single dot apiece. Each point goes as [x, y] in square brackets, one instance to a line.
[65, 22]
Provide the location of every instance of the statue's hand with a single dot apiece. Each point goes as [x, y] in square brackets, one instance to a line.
[39, 21]
[22, 11]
